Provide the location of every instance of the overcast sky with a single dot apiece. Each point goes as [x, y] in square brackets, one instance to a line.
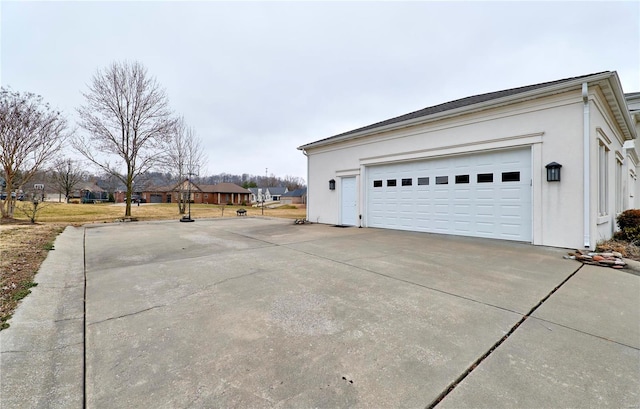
[258, 79]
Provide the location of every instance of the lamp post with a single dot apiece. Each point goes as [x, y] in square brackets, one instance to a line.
[188, 217]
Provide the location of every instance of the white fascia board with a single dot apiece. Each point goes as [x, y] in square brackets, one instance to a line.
[616, 87]
[524, 96]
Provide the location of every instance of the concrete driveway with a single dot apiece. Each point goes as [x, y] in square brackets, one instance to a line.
[261, 313]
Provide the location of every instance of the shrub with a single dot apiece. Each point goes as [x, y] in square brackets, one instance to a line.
[629, 224]
[630, 235]
[629, 219]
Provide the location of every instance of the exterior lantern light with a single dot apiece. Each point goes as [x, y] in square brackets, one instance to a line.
[553, 172]
[332, 184]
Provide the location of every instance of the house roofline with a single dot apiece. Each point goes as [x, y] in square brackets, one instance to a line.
[551, 89]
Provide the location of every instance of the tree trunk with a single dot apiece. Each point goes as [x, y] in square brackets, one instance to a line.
[9, 204]
[127, 199]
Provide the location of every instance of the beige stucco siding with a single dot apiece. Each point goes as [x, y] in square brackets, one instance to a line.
[605, 130]
[552, 127]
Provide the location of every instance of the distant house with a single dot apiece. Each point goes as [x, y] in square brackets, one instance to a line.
[269, 194]
[159, 194]
[273, 193]
[298, 196]
[255, 194]
[120, 194]
[222, 193]
[89, 192]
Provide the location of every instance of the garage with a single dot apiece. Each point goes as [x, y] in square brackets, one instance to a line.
[482, 195]
[481, 166]
[156, 198]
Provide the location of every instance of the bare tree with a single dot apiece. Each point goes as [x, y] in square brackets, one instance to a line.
[184, 158]
[66, 176]
[293, 182]
[128, 120]
[31, 133]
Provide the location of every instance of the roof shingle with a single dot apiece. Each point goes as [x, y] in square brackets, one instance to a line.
[458, 103]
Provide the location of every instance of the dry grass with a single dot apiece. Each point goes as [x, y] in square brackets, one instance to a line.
[24, 246]
[97, 213]
[628, 250]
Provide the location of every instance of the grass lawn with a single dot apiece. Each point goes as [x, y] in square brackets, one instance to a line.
[106, 212]
[24, 246]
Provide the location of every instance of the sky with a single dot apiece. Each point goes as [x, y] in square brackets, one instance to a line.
[255, 80]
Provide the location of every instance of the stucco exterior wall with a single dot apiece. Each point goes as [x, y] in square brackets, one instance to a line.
[605, 130]
[552, 126]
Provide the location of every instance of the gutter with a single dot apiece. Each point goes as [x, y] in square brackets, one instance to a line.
[304, 152]
[586, 139]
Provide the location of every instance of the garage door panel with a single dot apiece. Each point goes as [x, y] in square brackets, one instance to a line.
[485, 212]
[495, 204]
[485, 227]
[462, 227]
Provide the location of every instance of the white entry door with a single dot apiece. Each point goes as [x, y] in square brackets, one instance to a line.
[348, 196]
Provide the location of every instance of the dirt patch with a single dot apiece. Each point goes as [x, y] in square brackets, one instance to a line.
[23, 248]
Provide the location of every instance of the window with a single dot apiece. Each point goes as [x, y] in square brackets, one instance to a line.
[406, 182]
[511, 176]
[391, 182]
[603, 186]
[462, 179]
[206, 195]
[377, 183]
[485, 178]
[423, 181]
[442, 180]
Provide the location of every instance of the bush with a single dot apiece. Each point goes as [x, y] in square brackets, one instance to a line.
[629, 219]
[629, 224]
[630, 235]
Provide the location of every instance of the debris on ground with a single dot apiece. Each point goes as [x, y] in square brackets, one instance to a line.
[611, 259]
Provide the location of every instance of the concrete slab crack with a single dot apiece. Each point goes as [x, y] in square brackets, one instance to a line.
[129, 314]
[36, 351]
[541, 320]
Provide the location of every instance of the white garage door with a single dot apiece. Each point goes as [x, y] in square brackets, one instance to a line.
[480, 195]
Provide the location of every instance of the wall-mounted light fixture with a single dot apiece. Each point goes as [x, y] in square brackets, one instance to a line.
[332, 184]
[553, 172]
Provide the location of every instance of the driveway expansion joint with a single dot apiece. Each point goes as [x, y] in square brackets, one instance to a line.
[475, 364]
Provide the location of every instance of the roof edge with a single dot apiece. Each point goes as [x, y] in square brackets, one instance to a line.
[552, 88]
